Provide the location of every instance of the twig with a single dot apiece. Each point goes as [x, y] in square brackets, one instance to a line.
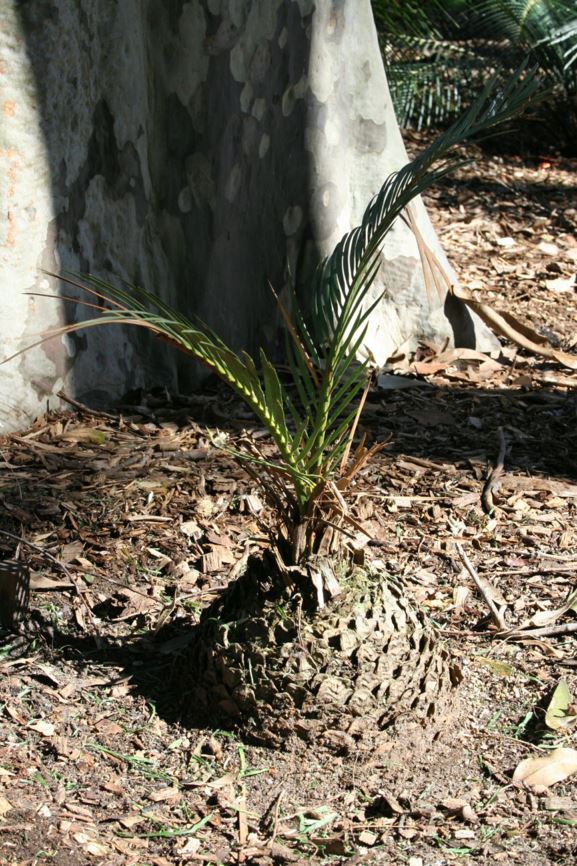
[276, 815]
[495, 612]
[494, 475]
[511, 633]
[242, 821]
[535, 569]
[461, 632]
[561, 557]
[37, 548]
[86, 410]
[546, 631]
[267, 823]
[71, 577]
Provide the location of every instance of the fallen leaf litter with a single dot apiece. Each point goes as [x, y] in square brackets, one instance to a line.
[145, 522]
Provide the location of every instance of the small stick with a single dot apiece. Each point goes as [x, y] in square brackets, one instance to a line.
[495, 612]
[71, 577]
[242, 821]
[546, 631]
[559, 556]
[86, 410]
[276, 816]
[494, 475]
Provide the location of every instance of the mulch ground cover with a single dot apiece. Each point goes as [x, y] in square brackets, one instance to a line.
[131, 522]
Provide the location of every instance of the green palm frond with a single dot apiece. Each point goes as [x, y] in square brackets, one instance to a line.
[261, 391]
[412, 17]
[566, 38]
[340, 307]
[526, 21]
[340, 310]
[431, 82]
[435, 70]
[532, 28]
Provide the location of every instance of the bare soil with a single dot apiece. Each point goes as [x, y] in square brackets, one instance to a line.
[133, 521]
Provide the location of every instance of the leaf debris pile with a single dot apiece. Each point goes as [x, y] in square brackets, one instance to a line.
[146, 521]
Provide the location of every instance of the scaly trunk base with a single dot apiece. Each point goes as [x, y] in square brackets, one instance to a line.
[265, 660]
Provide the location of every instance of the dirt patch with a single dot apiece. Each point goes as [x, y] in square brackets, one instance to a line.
[146, 522]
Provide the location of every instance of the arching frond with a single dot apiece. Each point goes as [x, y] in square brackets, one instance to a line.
[341, 289]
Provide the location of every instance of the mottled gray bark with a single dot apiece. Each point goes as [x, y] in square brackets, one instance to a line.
[202, 149]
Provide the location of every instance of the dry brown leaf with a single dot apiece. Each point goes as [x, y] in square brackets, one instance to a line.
[85, 434]
[561, 284]
[253, 502]
[465, 833]
[114, 785]
[540, 773]
[428, 368]
[392, 803]
[43, 727]
[190, 847]
[49, 673]
[453, 804]
[15, 714]
[225, 781]
[130, 821]
[506, 325]
[547, 617]
[460, 595]
[5, 806]
[460, 807]
[191, 529]
[491, 590]
[97, 849]
[133, 604]
[129, 846]
[39, 581]
[71, 551]
[164, 794]
[559, 804]
[548, 249]
[107, 727]
[506, 242]
[558, 715]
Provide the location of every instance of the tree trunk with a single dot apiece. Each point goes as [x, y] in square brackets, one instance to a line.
[202, 149]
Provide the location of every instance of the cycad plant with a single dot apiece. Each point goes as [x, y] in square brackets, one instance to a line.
[313, 422]
[262, 650]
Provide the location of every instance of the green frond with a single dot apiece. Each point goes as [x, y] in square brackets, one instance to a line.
[343, 281]
[410, 16]
[436, 64]
[305, 387]
[265, 396]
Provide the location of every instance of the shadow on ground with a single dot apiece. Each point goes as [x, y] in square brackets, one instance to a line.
[62, 495]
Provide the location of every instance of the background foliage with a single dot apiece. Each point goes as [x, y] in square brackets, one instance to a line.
[439, 54]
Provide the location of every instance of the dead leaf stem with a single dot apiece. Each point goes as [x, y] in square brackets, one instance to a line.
[496, 614]
[494, 475]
